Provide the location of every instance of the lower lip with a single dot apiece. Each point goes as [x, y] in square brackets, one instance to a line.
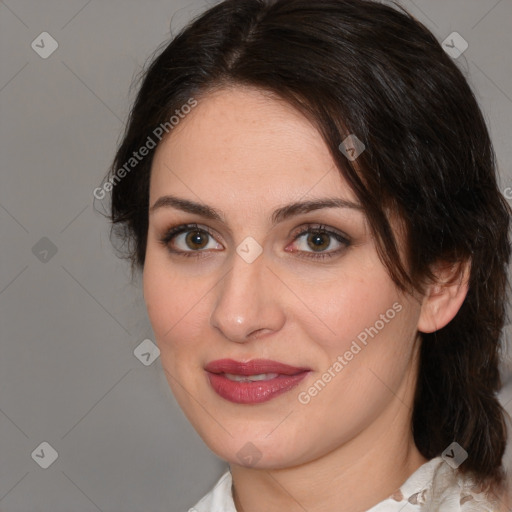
[253, 392]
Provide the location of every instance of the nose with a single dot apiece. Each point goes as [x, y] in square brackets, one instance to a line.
[247, 305]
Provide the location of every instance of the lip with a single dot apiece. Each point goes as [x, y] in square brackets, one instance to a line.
[253, 392]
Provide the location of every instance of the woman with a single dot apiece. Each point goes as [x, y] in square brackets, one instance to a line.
[309, 190]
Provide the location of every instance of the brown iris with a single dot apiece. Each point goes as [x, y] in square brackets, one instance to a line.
[318, 240]
[196, 239]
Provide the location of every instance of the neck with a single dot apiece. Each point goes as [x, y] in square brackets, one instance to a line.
[316, 486]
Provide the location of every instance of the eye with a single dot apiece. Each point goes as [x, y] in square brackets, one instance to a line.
[314, 241]
[189, 239]
[320, 242]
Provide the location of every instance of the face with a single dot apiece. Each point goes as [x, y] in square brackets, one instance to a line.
[278, 325]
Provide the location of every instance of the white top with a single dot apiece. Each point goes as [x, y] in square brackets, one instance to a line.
[433, 487]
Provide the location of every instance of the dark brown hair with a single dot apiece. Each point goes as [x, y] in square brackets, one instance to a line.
[364, 68]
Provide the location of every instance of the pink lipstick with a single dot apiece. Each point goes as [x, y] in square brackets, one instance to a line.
[254, 381]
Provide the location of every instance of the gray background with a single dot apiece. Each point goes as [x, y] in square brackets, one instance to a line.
[70, 321]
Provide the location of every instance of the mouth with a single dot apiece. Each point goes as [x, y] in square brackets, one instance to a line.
[252, 382]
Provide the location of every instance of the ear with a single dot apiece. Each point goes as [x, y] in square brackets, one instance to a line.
[443, 298]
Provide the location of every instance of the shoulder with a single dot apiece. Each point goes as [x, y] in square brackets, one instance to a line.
[436, 486]
[450, 490]
[448, 484]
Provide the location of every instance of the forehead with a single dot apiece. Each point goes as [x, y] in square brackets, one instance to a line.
[242, 144]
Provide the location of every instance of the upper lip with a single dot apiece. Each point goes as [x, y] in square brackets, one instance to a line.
[252, 367]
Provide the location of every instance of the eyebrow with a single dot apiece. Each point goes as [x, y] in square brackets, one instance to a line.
[279, 215]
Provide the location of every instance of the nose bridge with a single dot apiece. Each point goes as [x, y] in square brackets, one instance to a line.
[243, 304]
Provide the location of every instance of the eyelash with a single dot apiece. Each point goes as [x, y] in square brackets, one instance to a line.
[314, 229]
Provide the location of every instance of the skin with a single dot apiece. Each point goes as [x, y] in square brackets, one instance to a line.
[246, 154]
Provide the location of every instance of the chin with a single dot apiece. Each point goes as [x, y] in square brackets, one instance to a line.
[254, 449]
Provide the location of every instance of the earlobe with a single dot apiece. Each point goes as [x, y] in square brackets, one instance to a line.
[444, 298]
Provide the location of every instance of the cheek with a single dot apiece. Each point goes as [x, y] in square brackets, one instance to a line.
[176, 310]
[174, 305]
[356, 302]
[365, 338]
[363, 365]
[158, 295]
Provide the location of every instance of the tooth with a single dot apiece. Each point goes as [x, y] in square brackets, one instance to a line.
[250, 378]
[237, 378]
[263, 376]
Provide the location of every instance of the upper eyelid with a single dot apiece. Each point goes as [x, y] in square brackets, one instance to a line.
[184, 228]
